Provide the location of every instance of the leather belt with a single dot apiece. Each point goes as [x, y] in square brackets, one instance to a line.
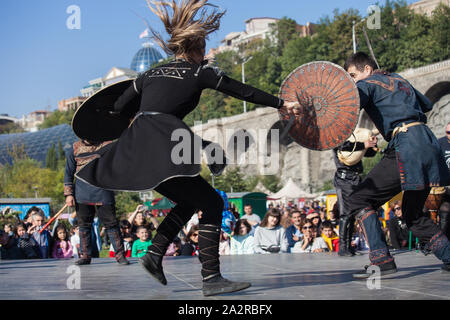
[144, 113]
[404, 127]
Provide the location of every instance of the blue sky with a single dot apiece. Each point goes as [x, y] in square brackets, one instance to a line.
[42, 61]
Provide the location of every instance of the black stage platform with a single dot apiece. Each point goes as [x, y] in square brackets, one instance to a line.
[320, 276]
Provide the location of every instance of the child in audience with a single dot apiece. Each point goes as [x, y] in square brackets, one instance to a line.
[27, 245]
[75, 240]
[330, 236]
[8, 228]
[62, 248]
[141, 245]
[43, 238]
[174, 248]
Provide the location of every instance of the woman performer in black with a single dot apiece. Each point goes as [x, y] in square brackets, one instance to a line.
[142, 159]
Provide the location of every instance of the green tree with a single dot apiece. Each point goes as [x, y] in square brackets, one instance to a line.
[440, 29]
[232, 180]
[126, 202]
[10, 127]
[327, 185]
[285, 30]
[271, 182]
[51, 160]
[57, 118]
[369, 163]
[20, 179]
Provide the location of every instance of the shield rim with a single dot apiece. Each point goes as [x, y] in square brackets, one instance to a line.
[353, 84]
[91, 97]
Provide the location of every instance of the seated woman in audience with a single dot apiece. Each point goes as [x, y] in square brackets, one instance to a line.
[62, 248]
[190, 246]
[26, 244]
[241, 241]
[138, 219]
[310, 242]
[270, 236]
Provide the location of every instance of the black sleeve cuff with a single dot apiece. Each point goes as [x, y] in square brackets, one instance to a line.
[280, 103]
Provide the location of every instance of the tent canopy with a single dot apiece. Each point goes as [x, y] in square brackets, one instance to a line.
[291, 191]
[163, 204]
[260, 188]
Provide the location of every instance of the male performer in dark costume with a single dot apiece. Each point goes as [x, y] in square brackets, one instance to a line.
[87, 200]
[444, 209]
[398, 112]
[345, 180]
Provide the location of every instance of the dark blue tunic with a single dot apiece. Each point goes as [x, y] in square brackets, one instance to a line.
[390, 101]
[83, 193]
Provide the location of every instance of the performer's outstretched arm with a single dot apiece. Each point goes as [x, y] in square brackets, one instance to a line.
[213, 78]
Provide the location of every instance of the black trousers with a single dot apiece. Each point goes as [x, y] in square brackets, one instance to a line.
[191, 194]
[444, 214]
[106, 214]
[381, 184]
[345, 185]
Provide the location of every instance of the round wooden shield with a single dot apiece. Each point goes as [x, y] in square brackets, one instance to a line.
[93, 120]
[329, 105]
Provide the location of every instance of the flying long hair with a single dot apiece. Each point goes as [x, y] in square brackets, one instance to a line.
[186, 33]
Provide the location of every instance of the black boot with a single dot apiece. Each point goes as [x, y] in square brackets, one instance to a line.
[167, 230]
[440, 246]
[345, 237]
[444, 220]
[446, 267]
[85, 246]
[213, 282]
[152, 260]
[117, 242]
[385, 269]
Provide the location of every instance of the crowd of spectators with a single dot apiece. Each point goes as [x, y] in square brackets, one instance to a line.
[282, 229]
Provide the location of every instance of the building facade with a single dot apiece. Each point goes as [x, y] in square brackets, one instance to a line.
[257, 28]
[426, 7]
[33, 120]
[70, 104]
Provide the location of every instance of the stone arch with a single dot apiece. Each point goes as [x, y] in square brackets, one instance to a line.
[239, 143]
[283, 138]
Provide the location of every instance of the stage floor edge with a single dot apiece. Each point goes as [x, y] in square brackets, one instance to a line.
[288, 276]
